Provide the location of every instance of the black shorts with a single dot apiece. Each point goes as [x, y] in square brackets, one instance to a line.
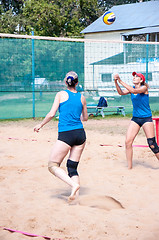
[73, 137]
[141, 121]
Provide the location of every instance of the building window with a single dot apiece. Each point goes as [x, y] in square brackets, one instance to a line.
[149, 77]
[106, 77]
[128, 38]
[154, 37]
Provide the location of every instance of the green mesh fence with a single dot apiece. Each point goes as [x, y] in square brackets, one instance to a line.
[52, 60]
[32, 72]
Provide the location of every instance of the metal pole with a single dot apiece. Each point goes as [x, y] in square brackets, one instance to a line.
[33, 75]
[93, 76]
[147, 57]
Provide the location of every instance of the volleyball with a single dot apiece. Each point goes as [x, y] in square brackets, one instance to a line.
[109, 18]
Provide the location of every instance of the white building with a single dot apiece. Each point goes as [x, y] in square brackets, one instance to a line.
[106, 53]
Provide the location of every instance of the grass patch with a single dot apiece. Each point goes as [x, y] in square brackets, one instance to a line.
[99, 117]
[155, 113]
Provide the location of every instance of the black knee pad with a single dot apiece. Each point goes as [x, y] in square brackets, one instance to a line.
[153, 145]
[72, 168]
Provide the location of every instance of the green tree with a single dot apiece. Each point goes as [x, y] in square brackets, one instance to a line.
[9, 23]
[46, 17]
[52, 17]
[59, 18]
[89, 11]
[42, 17]
[14, 5]
[105, 5]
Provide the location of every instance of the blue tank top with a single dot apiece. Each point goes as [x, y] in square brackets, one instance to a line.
[70, 113]
[141, 107]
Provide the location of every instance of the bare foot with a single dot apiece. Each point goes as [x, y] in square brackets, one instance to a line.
[74, 202]
[130, 165]
[73, 193]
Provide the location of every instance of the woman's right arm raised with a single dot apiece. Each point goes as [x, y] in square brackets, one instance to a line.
[119, 90]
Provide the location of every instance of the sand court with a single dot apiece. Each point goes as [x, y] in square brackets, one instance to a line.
[114, 203]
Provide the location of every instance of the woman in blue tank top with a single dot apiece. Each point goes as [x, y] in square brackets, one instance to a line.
[142, 116]
[71, 135]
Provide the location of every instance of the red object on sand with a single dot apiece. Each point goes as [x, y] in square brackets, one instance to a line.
[123, 145]
[156, 119]
[29, 234]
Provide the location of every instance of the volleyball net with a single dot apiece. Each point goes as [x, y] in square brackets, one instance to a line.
[33, 68]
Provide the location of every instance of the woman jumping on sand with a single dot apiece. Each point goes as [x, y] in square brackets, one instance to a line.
[142, 116]
[71, 135]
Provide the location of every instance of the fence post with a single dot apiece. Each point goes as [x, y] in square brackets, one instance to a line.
[93, 76]
[147, 57]
[33, 76]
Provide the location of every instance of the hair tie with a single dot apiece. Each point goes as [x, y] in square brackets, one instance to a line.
[70, 79]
